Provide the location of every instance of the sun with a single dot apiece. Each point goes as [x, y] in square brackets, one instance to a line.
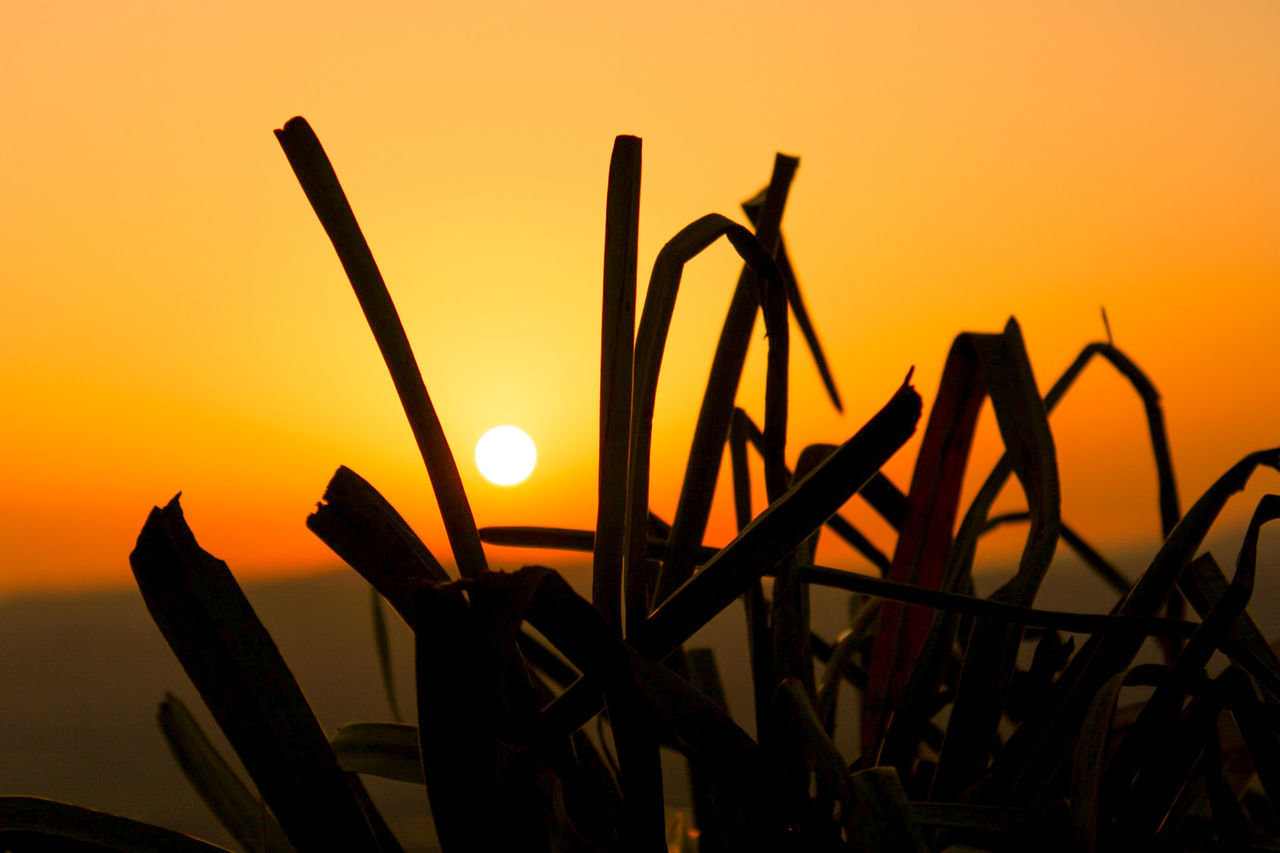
[505, 455]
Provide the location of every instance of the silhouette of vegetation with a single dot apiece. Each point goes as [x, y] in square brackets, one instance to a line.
[975, 733]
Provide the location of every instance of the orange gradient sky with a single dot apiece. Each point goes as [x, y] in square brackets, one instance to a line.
[174, 318]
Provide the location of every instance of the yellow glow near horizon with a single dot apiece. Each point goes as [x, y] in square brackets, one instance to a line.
[174, 318]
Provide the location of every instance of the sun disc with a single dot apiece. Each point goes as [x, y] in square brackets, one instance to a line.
[505, 455]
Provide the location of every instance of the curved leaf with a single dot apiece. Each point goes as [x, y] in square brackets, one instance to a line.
[655, 321]
[715, 412]
[991, 654]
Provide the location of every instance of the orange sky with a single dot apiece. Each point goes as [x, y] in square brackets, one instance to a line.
[176, 320]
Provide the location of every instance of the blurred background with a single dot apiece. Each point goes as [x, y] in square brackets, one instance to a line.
[175, 318]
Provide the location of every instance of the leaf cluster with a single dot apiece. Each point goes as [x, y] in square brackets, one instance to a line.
[540, 715]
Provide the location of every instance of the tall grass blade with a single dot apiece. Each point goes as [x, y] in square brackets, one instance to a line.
[992, 650]
[621, 236]
[925, 536]
[796, 301]
[320, 183]
[244, 681]
[655, 321]
[238, 809]
[712, 428]
[33, 823]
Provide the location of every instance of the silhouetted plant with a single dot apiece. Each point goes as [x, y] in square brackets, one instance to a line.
[501, 742]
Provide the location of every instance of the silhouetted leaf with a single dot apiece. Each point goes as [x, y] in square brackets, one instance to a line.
[753, 208]
[362, 528]
[244, 681]
[621, 230]
[564, 539]
[316, 175]
[655, 321]
[925, 535]
[712, 428]
[1060, 620]
[991, 654]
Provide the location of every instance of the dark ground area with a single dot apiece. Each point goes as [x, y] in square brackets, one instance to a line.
[82, 677]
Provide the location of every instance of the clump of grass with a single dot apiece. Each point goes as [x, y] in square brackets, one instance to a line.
[960, 746]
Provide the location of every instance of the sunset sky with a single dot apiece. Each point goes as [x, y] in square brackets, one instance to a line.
[175, 320]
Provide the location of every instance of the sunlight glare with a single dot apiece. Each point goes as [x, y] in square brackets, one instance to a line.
[505, 455]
